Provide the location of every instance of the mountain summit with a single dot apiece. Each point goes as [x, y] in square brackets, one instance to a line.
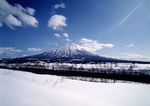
[70, 52]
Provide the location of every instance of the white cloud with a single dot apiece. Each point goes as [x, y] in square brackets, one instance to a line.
[68, 40]
[12, 21]
[93, 45]
[132, 56]
[61, 5]
[16, 15]
[9, 50]
[57, 22]
[34, 49]
[66, 35]
[31, 11]
[24, 55]
[129, 45]
[57, 35]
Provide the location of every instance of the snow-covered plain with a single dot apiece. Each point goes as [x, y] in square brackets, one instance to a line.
[27, 89]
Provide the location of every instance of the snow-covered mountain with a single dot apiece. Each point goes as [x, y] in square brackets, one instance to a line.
[70, 52]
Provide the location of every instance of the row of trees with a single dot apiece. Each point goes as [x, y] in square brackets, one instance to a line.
[109, 68]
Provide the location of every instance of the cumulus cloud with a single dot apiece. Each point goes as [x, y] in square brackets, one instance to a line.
[68, 40]
[66, 35]
[129, 45]
[57, 35]
[9, 50]
[93, 45]
[34, 49]
[61, 5]
[57, 22]
[31, 11]
[16, 15]
[12, 21]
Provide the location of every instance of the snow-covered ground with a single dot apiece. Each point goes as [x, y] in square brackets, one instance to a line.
[27, 89]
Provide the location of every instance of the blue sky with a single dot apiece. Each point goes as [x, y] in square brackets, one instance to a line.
[116, 28]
